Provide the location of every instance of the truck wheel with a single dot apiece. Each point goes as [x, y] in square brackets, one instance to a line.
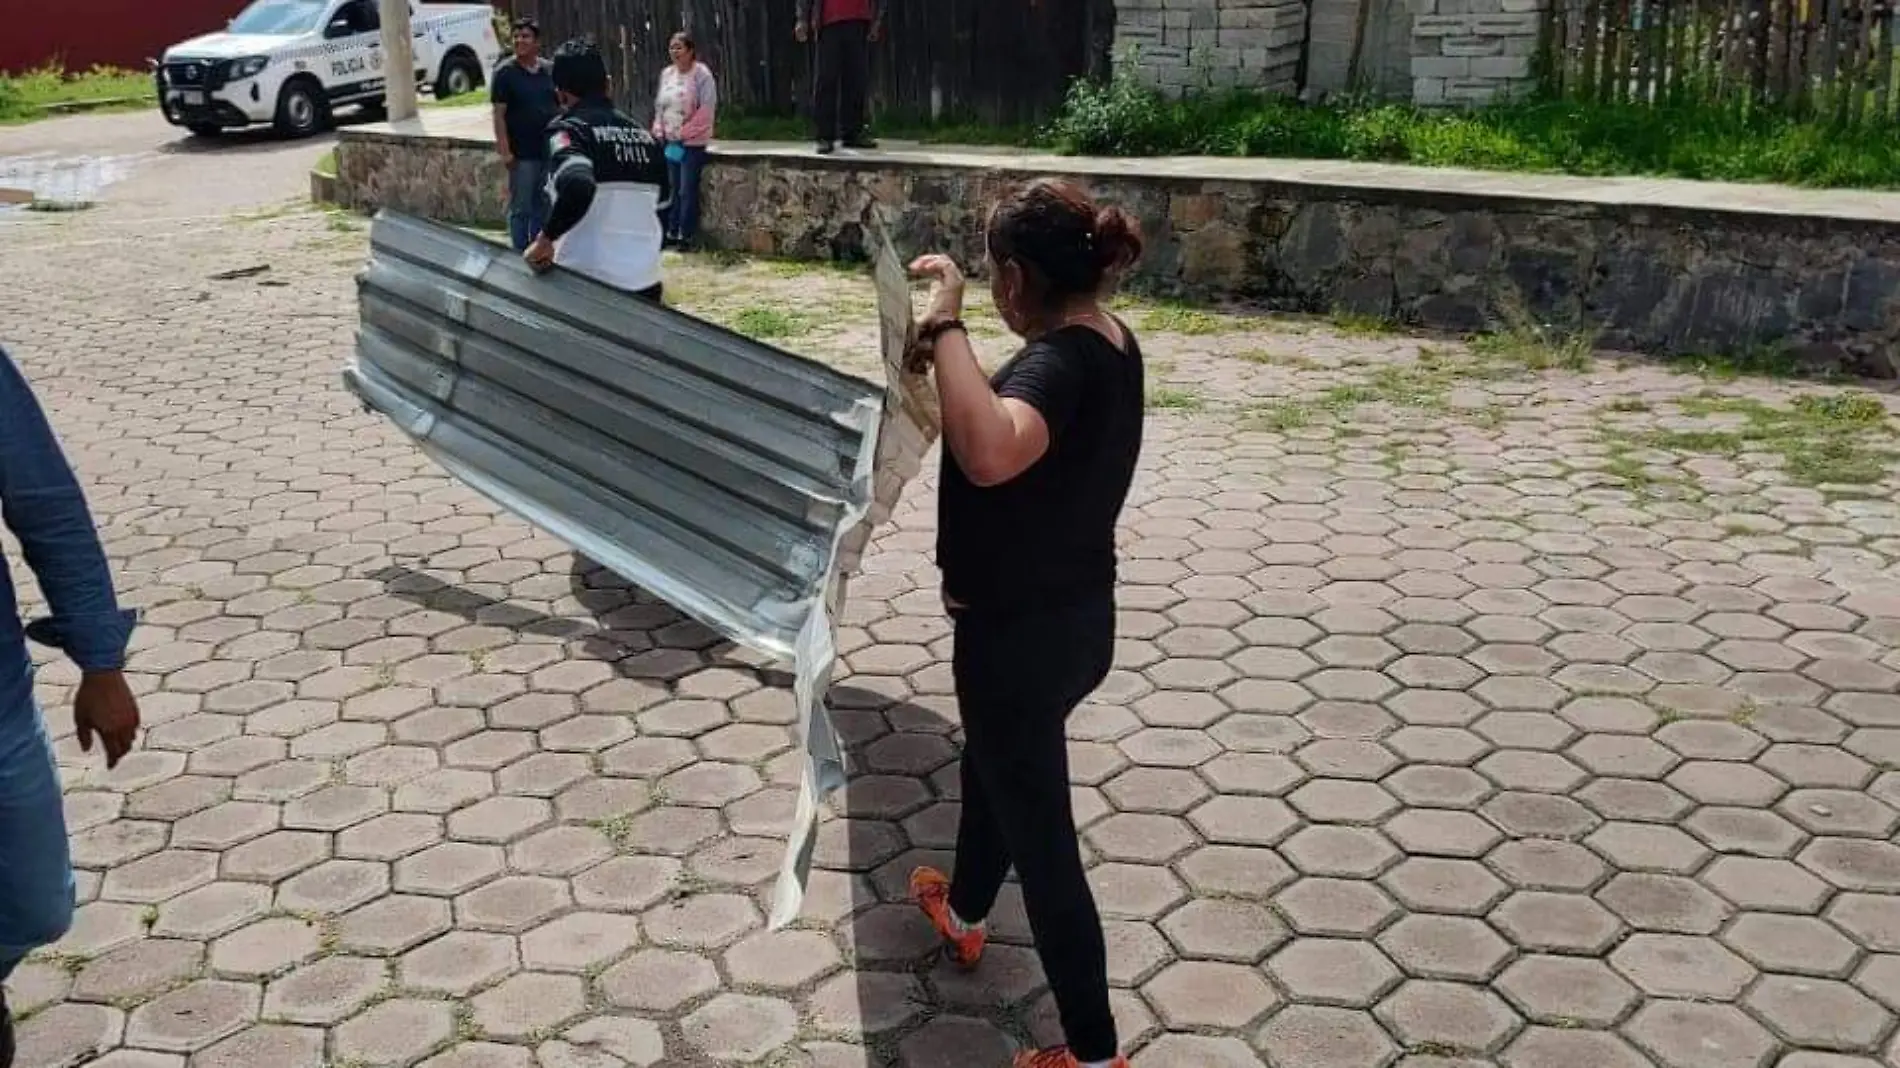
[301, 110]
[204, 129]
[460, 76]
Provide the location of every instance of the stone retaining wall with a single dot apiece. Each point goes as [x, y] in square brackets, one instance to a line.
[1470, 52]
[1676, 280]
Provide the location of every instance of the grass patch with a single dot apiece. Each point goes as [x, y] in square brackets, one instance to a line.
[1164, 398]
[461, 100]
[1765, 361]
[1686, 139]
[1174, 317]
[326, 164]
[26, 96]
[1360, 324]
[1842, 439]
[766, 324]
[1538, 348]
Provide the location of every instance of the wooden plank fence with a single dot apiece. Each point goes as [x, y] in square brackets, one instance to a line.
[1004, 62]
[1822, 58]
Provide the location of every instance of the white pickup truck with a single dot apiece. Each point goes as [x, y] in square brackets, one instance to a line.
[291, 63]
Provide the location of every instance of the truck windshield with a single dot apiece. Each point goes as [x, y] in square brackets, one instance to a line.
[279, 16]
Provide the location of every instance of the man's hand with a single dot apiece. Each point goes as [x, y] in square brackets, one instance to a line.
[802, 31]
[877, 31]
[507, 157]
[946, 296]
[540, 254]
[104, 706]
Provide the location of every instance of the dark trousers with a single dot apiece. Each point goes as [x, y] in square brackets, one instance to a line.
[1017, 680]
[682, 215]
[841, 81]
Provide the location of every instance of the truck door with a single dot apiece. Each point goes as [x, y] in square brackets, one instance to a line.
[353, 60]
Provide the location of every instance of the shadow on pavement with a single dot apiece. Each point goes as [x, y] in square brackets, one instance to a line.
[894, 1003]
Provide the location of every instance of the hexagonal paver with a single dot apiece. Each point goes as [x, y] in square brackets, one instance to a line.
[1321, 1038]
[1223, 930]
[1800, 944]
[1663, 903]
[1444, 947]
[578, 942]
[194, 1016]
[528, 1004]
[1425, 1013]
[1819, 1013]
[265, 948]
[1433, 884]
[1682, 966]
[136, 970]
[392, 924]
[1328, 971]
[1320, 906]
[395, 1032]
[1566, 991]
[738, 1027]
[1556, 923]
[324, 992]
[1691, 1035]
[1208, 994]
[658, 980]
[458, 963]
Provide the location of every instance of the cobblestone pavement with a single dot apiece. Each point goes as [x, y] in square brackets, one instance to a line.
[1465, 712]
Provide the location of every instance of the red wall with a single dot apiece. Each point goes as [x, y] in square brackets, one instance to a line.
[120, 33]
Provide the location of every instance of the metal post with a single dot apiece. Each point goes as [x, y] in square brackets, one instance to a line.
[399, 63]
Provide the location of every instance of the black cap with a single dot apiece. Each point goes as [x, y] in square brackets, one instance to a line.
[579, 69]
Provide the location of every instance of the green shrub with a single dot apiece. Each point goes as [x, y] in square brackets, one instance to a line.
[1685, 138]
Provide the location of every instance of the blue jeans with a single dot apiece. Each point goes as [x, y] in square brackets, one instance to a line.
[682, 219]
[36, 875]
[527, 201]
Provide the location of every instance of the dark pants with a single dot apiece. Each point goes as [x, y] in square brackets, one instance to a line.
[1017, 680]
[842, 80]
[682, 215]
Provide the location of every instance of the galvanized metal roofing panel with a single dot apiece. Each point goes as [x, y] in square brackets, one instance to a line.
[734, 480]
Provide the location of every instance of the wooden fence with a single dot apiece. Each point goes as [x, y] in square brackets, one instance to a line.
[1809, 57]
[1005, 62]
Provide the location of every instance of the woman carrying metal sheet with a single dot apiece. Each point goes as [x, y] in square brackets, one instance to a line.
[1037, 463]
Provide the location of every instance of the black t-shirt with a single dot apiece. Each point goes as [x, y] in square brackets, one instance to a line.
[1047, 536]
[529, 97]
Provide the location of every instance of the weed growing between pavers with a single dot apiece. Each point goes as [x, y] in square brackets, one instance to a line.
[1165, 398]
[767, 324]
[1841, 439]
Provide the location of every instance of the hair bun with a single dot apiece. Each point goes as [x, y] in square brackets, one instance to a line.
[1117, 238]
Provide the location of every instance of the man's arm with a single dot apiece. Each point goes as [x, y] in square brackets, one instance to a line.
[498, 96]
[574, 186]
[42, 504]
[802, 8]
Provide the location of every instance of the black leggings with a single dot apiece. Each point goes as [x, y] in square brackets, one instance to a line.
[1018, 678]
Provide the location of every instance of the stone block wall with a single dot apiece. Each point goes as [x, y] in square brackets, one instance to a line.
[1190, 45]
[1467, 52]
[1699, 281]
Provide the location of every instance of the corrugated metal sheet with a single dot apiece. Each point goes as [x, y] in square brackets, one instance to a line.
[734, 480]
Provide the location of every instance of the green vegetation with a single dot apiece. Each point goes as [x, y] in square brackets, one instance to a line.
[1174, 317]
[1537, 347]
[1166, 398]
[1687, 139]
[326, 164]
[27, 96]
[1837, 439]
[766, 324]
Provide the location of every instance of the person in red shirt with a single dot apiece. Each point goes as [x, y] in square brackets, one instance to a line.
[841, 76]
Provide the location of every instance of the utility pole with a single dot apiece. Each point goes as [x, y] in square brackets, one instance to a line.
[399, 62]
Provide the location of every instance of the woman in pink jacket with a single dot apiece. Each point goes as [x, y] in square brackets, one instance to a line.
[683, 121]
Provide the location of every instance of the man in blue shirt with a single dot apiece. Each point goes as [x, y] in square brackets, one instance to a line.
[41, 503]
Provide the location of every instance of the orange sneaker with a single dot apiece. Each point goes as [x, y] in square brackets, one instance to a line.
[930, 888]
[1057, 1057]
